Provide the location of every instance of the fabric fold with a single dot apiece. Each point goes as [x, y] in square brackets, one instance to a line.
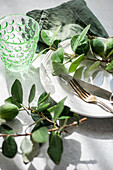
[73, 16]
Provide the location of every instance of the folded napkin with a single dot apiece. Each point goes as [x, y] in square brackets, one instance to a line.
[73, 16]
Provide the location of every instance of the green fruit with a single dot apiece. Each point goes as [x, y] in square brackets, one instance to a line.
[8, 111]
[108, 46]
[83, 47]
[97, 47]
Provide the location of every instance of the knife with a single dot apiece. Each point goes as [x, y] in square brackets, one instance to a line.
[93, 89]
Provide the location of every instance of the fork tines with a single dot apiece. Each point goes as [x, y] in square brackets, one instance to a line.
[78, 89]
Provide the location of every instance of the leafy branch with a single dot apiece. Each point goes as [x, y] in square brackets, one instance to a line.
[81, 44]
[75, 123]
[45, 124]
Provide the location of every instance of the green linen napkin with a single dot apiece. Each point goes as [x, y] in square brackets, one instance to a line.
[73, 16]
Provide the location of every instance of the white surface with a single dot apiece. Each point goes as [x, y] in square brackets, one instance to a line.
[102, 9]
[59, 89]
[88, 147]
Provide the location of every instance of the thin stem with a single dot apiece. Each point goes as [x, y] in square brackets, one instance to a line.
[95, 60]
[21, 109]
[34, 111]
[40, 54]
[103, 56]
[62, 65]
[76, 123]
[69, 125]
[53, 129]
[52, 48]
[25, 109]
[111, 52]
[36, 122]
[42, 115]
[50, 130]
[67, 54]
[15, 135]
[64, 125]
[73, 55]
[48, 119]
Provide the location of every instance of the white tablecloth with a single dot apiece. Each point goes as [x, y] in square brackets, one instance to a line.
[88, 147]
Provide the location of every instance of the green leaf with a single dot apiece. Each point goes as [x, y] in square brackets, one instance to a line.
[12, 101]
[32, 93]
[52, 109]
[76, 63]
[8, 111]
[79, 39]
[64, 117]
[47, 115]
[78, 59]
[25, 159]
[58, 55]
[54, 35]
[56, 43]
[16, 91]
[42, 107]
[29, 157]
[73, 67]
[40, 53]
[94, 65]
[41, 135]
[5, 129]
[35, 116]
[83, 46]
[46, 36]
[43, 98]
[55, 148]
[111, 52]
[58, 68]
[26, 146]
[57, 109]
[9, 147]
[41, 121]
[37, 126]
[66, 112]
[109, 66]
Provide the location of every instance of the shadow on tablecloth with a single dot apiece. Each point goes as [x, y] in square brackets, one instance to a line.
[95, 128]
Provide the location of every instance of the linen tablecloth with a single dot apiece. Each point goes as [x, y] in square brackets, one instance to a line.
[88, 147]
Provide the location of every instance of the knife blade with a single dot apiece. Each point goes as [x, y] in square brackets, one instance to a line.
[93, 89]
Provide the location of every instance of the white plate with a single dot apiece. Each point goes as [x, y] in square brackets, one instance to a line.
[58, 89]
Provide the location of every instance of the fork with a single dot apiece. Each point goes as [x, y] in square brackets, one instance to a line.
[84, 95]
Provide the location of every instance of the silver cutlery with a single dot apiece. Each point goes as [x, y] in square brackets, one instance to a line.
[91, 88]
[83, 94]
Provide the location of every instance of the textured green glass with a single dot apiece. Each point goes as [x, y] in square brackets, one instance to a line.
[19, 35]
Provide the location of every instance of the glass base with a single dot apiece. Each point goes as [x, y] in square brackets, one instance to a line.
[18, 69]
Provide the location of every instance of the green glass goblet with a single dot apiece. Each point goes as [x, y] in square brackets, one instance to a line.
[19, 35]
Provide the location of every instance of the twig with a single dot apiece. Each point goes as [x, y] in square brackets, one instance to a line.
[36, 122]
[50, 130]
[25, 109]
[15, 135]
[67, 126]
[75, 123]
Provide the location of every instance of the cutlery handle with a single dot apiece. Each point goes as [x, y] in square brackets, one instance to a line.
[106, 106]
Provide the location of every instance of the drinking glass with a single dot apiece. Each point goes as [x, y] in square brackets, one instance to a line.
[19, 35]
